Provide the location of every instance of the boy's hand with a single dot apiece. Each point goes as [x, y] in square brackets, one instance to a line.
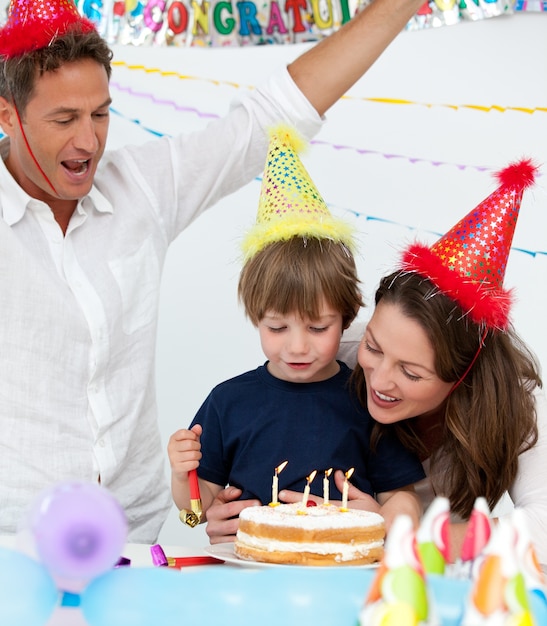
[184, 450]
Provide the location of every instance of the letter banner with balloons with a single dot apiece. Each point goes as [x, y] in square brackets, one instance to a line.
[257, 22]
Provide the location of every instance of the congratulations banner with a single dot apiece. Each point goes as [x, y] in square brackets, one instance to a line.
[256, 22]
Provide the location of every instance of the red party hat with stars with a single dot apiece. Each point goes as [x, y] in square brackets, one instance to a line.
[290, 205]
[468, 263]
[34, 24]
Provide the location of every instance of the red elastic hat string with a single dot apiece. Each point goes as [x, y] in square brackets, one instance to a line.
[32, 153]
[462, 377]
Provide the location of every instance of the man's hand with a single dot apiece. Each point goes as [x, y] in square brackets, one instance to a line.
[223, 515]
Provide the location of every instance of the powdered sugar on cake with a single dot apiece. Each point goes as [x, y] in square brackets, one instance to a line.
[312, 517]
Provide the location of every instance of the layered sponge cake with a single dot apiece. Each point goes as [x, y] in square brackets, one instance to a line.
[293, 534]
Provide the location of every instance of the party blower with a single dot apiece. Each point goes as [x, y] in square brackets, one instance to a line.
[193, 517]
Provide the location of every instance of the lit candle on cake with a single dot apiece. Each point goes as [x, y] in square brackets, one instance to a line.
[326, 485]
[307, 487]
[275, 483]
[345, 489]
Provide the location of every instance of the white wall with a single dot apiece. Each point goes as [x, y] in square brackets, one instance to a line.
[435, 175]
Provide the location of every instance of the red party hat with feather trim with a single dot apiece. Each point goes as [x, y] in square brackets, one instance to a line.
[468, 263]
[34, 24]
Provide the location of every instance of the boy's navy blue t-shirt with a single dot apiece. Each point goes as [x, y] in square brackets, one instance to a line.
[254, 422]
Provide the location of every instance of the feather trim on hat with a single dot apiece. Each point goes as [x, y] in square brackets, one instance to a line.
[520, 174]
[288, 135]
[264, 234]
[482, 303]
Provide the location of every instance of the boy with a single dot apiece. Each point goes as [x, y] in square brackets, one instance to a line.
[299, 287]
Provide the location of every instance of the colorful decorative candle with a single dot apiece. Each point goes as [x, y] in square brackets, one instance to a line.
[498, 593]
[433, 538]
[398, 594]
[478, 531]
[275, 483]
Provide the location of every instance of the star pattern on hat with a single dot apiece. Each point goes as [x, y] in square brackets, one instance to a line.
[478, 246]
[44, 11]
[288, 187]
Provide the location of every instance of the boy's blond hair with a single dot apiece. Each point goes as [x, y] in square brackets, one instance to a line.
[298, 275]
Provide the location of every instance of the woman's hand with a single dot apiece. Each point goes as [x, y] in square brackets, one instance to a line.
[356, 498]
[286, 496]
[223, 515]
[389, 505]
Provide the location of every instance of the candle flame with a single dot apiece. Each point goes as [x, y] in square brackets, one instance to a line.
[280, 467]
[311, 476]
[328, 472]
[349, 473]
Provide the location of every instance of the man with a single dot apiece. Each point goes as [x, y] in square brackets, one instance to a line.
[84, 237]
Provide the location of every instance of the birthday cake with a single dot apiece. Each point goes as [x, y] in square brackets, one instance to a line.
[293, 534]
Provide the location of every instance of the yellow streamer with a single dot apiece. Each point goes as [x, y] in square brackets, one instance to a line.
[391, 101]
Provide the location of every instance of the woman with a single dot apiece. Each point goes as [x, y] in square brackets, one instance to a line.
[441, 365]
[476, 431]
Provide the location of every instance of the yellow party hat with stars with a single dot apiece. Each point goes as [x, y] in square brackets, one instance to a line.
[290, 205]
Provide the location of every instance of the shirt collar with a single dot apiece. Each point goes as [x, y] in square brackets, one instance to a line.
[14, 200]
[96, 199]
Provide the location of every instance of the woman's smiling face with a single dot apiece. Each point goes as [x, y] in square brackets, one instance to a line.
[398, 362]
